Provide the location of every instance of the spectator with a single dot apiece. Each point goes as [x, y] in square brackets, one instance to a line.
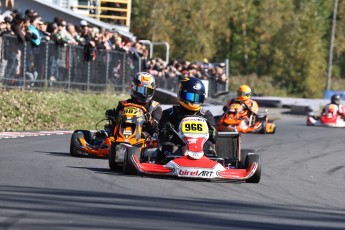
[8, 21]
[71, 30]
[2, 25]
[63, 37]
[87, 41]
[44, 34]
[18, 27]
[33, 30]
[119, 44]
[3, 30]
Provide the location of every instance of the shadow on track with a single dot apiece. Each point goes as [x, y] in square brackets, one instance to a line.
[44, 208]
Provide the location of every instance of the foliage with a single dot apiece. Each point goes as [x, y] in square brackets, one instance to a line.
[33, 110]
[259, 85]
[285, 40]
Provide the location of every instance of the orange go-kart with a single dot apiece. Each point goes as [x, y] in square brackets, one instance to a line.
[100, 143]
[238, 118]
[128, 134]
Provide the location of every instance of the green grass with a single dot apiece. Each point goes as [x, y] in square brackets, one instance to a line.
[32, 110]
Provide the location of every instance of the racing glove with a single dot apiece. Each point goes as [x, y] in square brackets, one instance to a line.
[213, 134]
[165, 134]
[148, 118]
[110, 113]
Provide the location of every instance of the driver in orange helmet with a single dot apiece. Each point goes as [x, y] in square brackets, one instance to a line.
[243, 96]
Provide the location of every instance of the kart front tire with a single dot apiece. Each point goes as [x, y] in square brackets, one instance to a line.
[112, 156]
[128, 165]
[243, 157]
[250, 158]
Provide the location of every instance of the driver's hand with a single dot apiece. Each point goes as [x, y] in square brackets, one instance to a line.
[149, 119]
[213, 134]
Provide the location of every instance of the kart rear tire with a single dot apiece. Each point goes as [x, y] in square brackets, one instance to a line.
[128, 165]
[112, 156]
[86, 134]
[263, 129]
[257, 175]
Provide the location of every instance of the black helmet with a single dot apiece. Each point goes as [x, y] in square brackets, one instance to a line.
[335, 99]
[191, 93]
[143, 87]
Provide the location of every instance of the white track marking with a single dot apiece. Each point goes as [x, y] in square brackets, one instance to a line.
[9, 135]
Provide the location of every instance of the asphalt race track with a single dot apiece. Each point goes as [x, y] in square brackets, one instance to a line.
[302, 187]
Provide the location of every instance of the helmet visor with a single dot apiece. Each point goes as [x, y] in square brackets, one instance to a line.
[240, 93]
[193, 97]
[145, 91]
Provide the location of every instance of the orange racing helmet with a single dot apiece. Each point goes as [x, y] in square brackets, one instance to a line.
[244, 93]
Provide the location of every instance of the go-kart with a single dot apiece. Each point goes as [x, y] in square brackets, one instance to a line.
[128, 134]
[329, 118]
[91, 143]
[101, 142]
[235, 118]
[189, 160]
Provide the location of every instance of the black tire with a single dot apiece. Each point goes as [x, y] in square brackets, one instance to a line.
[87, 134]
[112, 156]
[257, 175]
[128, 166]
[243, 157]
[263, 129]
[74, 150]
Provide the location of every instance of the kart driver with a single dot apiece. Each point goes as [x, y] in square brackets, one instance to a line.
[142, 90]
[243, 96]
[190, 97]
[335, 100]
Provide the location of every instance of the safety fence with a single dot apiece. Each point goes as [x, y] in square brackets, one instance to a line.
[52, 66]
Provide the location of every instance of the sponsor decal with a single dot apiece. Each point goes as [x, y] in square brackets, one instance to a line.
[195, 173]
[197, 86]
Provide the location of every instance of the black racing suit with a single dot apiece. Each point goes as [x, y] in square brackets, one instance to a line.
[173, 116]
[152, 107]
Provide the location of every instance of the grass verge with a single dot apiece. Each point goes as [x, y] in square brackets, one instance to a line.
[22, 110]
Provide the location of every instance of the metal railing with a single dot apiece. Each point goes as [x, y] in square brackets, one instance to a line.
[118, 11]
[63, 67]
[52, 66]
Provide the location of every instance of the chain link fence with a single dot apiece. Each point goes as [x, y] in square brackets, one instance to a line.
[63, 67]
[51, 66]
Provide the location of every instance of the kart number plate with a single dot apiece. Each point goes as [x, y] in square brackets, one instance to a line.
[130, 111]
[235, 106]
[194, 127]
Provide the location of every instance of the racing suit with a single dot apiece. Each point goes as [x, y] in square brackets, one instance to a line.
[172, 117]
[341, 109]
[154, 111]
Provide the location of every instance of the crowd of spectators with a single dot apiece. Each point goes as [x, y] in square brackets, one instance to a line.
[29, 26]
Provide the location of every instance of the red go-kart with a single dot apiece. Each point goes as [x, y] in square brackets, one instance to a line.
[329, 118]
